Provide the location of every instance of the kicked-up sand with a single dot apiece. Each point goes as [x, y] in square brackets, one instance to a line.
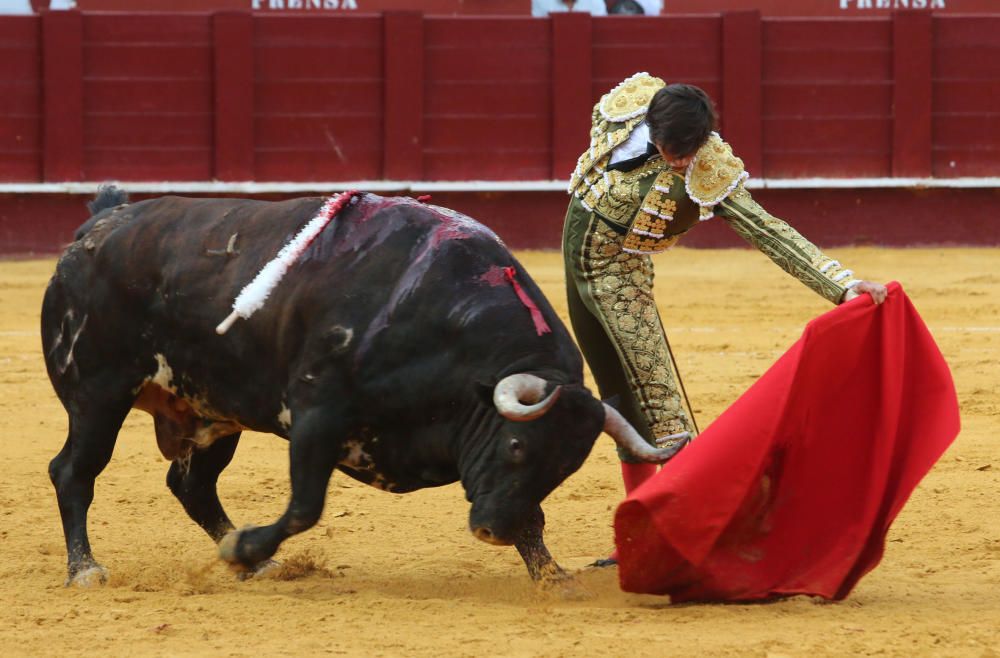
[391, 575]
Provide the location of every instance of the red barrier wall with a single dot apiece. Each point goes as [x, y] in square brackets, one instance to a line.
[487, 99]
[966, 96]
[318, 98]
[20, 99]
[147, 96]
[827, 90]
[236, 96]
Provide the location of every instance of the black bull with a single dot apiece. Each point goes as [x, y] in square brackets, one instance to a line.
[400, 348]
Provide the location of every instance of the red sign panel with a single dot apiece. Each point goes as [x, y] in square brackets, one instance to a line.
[522, 7]
[832, 8]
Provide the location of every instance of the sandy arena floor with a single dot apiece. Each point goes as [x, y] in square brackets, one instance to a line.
[386, 575]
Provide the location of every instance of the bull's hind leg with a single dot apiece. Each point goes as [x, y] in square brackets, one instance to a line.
[314, 451]
[93, 429]
[193, 483]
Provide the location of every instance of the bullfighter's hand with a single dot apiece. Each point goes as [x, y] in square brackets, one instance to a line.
[876, 290]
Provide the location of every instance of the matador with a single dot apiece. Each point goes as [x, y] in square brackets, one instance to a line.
[655, 168]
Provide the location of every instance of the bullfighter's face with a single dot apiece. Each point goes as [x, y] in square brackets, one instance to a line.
[676, 162]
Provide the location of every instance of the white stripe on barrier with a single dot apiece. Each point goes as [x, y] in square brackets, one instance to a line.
[279, 187]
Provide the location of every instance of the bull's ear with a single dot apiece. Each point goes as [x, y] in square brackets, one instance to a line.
[614, 402]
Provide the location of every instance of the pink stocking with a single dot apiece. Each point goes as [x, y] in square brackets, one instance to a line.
[633, 475]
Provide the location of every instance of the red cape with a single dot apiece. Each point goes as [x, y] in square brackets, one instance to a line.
[793, 488]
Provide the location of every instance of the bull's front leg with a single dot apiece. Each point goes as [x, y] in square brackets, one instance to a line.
[530, 544]
[313, 454]
[543, 569]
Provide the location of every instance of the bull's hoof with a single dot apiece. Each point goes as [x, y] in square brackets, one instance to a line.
[227, 546]
[89, 576]
[261, 570]
[565, 587]
[230, 551]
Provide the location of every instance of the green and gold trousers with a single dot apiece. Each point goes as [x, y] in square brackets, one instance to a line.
[618, 328]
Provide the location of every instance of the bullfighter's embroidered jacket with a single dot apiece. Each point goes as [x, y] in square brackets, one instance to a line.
[652, 205]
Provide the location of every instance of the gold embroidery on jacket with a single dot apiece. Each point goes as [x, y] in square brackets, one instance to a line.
[714, 173]
[657, 203]
[648, 233]
[635, 243]
[658, 199]
[613, 119]
[594, 161]
[651, 225]
[621, 200]
[630, 98]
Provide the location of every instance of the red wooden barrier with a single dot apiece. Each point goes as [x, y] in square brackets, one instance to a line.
[148, 110]
[487, 99]
[966, 96]
[911, 98]
[319, 98]
[741, 87]
[686, 49]
[402, 96]
[827, 86]
[533, 220]
[20, 99]
[234, 102]
[403, 158]
[572, 64]
[62, 84]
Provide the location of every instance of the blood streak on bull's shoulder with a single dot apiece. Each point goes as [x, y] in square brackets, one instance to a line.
[450, 226]
[455, 225]
[498, 276]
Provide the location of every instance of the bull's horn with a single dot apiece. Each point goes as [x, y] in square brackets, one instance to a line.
[632, 442]
[512, 389]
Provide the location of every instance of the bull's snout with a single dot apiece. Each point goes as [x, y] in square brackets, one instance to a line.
[485, 534]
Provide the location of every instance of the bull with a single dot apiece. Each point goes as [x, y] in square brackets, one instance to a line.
[405, 347]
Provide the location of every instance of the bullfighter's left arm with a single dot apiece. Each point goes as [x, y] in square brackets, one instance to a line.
[786, 246]
[715, 181]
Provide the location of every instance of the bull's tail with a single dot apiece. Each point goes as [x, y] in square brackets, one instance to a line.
[108, 196]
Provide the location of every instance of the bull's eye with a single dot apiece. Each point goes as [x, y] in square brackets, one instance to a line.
[516, 448]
